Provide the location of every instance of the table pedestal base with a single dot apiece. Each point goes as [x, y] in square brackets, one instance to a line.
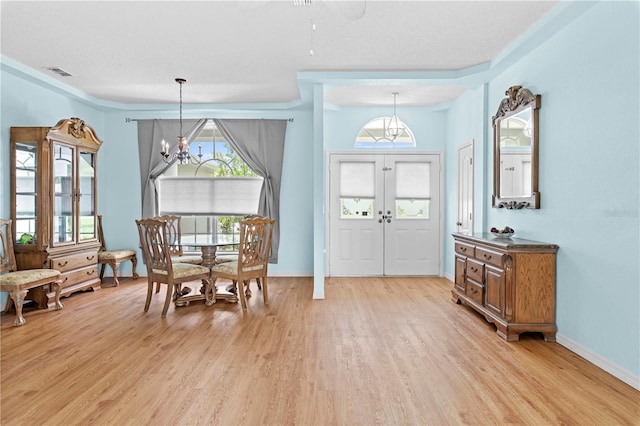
[221, 293]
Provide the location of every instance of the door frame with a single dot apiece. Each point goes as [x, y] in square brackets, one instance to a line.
[466, 145]
[327, 197]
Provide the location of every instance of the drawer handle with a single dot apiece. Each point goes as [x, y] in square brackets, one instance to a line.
[90, 257]
[487, 256]
[63, 264]
[91, 272]
[65, 279]
[463, 249]
[474, 291]
[474, 269]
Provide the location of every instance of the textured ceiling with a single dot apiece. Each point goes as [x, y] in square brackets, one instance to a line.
[251, 52]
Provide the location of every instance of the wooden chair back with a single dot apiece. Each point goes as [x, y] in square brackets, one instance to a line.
[155, 247]
[103, 245]
[173, 233]
[7, 256]
[255, 244]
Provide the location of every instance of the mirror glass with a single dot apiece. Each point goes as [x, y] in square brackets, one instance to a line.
[515, 151]
[515, 155]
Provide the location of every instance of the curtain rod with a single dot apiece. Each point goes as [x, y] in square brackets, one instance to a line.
[128, 120]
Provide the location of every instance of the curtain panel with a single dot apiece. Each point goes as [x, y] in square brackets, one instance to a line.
[152, 165]
[260, 143]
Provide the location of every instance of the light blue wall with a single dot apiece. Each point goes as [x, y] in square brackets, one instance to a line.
[588, 76]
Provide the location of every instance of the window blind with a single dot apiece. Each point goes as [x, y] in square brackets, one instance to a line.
[222, 196]
[413, 180]
[357, 180]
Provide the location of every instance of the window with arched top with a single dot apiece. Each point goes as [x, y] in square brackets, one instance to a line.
[385, 132]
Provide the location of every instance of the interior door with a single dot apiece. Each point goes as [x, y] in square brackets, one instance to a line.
[384, 214]
[465, 189]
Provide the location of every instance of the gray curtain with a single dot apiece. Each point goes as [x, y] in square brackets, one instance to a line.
[150, 134]
[260, 143]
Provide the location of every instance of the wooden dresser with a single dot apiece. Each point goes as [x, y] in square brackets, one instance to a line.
[510, 281]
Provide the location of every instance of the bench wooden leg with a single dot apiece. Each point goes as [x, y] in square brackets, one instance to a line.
[58, 289]
[18, 297]
[134, 262]
[114, 268]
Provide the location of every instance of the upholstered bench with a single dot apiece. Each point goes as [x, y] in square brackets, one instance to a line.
[18, 283]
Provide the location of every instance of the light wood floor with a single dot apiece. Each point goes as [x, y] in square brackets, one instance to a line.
[383, 351]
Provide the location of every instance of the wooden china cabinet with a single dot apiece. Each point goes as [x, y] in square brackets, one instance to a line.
[53, 204]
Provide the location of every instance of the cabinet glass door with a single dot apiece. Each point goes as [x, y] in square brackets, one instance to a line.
[26, 192]
[63, 206]
[87, 215]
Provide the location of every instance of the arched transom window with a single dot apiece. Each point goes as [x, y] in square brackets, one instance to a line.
[379, 133]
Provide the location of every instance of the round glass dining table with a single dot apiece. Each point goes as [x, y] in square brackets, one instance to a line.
[209, 247]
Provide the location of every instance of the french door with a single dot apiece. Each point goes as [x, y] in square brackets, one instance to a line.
[384, 214]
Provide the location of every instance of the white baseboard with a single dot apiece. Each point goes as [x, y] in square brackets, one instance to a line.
[600, 362]
[611, 368]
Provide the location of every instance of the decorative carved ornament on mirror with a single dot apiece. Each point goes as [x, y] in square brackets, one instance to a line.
[515, 151]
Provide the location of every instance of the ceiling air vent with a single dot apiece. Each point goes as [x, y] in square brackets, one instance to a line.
[59, 71]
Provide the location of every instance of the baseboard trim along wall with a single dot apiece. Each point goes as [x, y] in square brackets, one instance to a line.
[611, 368]
[595, 359]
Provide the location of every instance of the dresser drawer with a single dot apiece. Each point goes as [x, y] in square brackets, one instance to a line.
[475, 270]
[79, 275]
[465, 249]
[475, 291]
[74, 261]
[489, 256]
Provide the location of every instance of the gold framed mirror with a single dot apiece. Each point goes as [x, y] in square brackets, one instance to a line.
[515, 151]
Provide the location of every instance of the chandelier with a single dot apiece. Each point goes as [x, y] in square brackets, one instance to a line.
[182, 156]
[395, 127]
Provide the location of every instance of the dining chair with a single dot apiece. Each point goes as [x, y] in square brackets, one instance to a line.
[18, 283]
[174, 236]
[253, 257]
[114, 258]
[154, 239]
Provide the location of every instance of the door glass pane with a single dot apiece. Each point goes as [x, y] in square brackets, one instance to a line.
[356, 208]
[26, 192]
[412, 209]
[62, 194]
[87, 215]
